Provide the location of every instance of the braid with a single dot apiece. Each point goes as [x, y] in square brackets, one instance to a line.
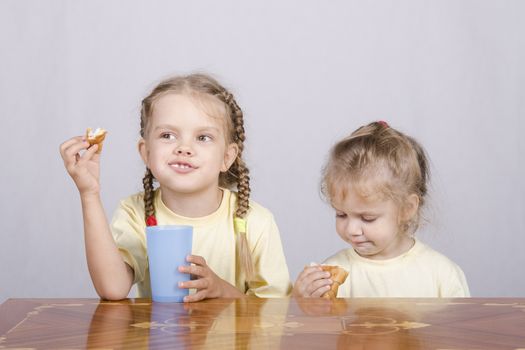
[243, 189]
[149, 207]
[243, 184]
[239, 173]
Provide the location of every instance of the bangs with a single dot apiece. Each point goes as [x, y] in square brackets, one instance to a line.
[208, 104]
[216, 109]
[212, 106]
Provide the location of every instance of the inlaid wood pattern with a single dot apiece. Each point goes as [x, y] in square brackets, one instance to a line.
[264, 323]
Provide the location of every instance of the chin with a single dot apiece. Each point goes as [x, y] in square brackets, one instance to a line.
[365, 252]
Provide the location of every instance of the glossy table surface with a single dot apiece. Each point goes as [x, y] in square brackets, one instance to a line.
[253, 323]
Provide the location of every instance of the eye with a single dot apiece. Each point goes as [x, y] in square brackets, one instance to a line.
[340, 215]
[204, 138]
[368, 218]
[167, 136]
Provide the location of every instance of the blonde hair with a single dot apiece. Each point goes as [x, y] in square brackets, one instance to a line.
[207, 89]
[378, 159]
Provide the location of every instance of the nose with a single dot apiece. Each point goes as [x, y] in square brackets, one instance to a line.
[183, 149]
[184, 152]
[353, 228]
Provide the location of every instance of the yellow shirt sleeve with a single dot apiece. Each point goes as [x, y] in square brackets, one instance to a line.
[128, 229]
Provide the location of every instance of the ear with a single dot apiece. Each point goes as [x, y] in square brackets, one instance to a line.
[143, 150]
[230, 154]
[410, 207]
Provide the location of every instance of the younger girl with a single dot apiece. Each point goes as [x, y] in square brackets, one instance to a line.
[192, 138]
[376, 180]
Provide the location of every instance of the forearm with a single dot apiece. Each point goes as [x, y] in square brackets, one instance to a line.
[111, 276]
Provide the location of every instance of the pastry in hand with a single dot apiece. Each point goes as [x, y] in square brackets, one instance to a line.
[96, 137]
[338, 276]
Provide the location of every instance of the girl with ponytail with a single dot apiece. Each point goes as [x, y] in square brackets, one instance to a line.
[376, 180]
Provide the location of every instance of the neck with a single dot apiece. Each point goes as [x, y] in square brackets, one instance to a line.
[402, 245]
[192, 205]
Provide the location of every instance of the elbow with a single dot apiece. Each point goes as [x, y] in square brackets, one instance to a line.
[112, 294]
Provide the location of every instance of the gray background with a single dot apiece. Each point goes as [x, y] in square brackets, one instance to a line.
[306, 73]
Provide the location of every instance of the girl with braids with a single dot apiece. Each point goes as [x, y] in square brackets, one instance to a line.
[376, 181]
[192, 139]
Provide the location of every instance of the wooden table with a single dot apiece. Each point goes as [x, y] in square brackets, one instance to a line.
[264, 323]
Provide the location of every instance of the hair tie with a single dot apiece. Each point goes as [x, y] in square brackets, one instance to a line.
[239, 225]
[383, 123]
[151, 221]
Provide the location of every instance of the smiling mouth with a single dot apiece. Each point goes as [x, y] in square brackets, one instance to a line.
[182, 167]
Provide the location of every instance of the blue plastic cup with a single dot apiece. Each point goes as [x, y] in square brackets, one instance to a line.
[168, 247]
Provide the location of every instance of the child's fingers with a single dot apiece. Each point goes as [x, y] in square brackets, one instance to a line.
[200, 295]
[195, 270]
[81, 161]
[72, 157]
[309, 270]
[299, 287]
[319, 292]
[196, 259]
[313, 275]
[69, 142]
[304, 274]
[198, 284]
[312, 288]
[309, 285]
[90, 154]
[70, 149]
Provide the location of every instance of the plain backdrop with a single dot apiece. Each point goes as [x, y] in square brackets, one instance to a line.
[306, 73]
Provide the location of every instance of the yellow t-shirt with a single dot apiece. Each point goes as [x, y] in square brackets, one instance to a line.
[420, 272]
[214, 239]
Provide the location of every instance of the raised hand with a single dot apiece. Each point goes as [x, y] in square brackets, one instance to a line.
[207, 283]
[84, 168]
[312, 282]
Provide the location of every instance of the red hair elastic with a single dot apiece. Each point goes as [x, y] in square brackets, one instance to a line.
[383, 123]
[151, 221]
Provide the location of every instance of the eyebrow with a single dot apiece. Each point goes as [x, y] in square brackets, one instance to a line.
[172, 127]
[209, 128]
[165, 126]
[364, 212]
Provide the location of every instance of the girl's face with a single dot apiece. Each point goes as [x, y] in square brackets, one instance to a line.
[371, 225]
[184, 147]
